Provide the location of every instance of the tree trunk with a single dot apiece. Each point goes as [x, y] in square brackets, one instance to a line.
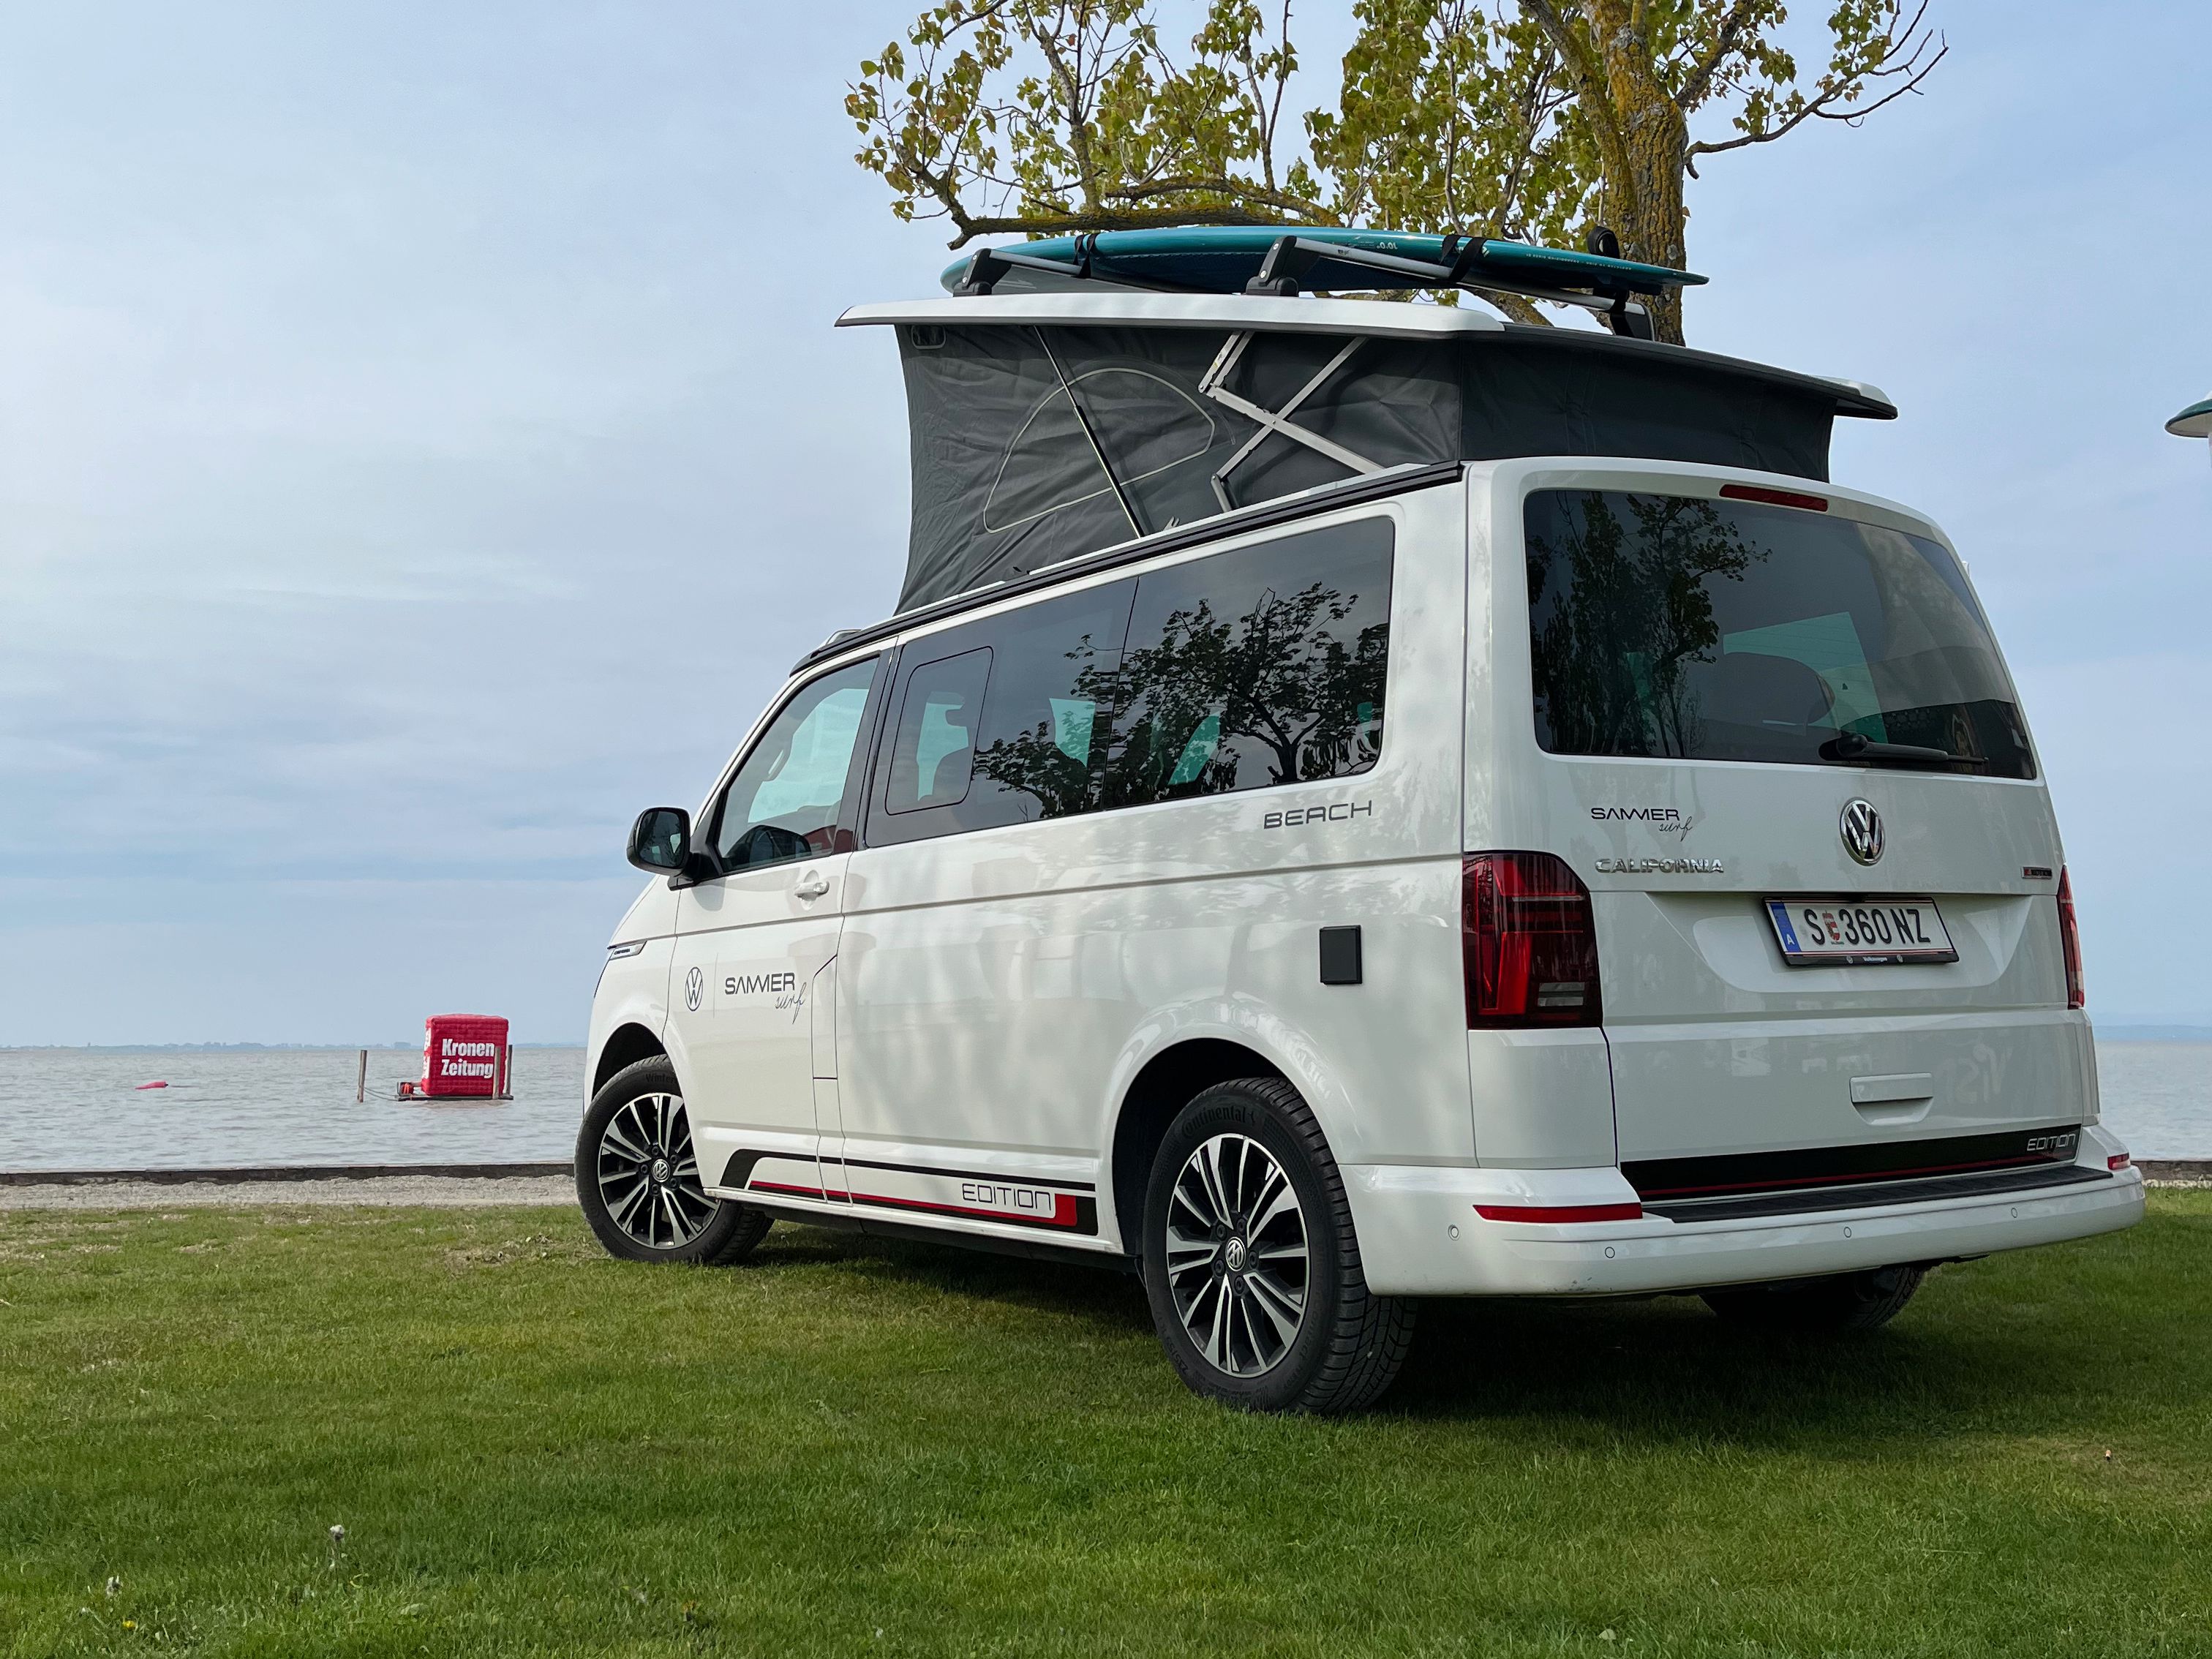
[1643, 204]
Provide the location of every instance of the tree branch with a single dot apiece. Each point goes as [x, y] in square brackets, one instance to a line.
[1519, 307]
[1028, 224]
[1222, 186]
[1820, 106]
[1700, 78]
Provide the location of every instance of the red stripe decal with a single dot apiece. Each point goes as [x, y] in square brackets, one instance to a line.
[1063, 1210]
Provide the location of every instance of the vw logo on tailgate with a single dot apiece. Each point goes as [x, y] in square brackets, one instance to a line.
[1861, 828]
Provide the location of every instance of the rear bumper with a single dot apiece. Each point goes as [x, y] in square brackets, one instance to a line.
[1419, 1234]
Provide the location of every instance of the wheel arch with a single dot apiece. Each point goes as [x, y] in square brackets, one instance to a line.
[1162, 1086]
[626, 1045]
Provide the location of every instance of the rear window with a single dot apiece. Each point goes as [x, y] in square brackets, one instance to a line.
[1695, 629]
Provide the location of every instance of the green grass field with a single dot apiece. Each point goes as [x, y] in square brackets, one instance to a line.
[855, 1448]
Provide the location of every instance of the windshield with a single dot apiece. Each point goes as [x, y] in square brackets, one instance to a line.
[1705, 629]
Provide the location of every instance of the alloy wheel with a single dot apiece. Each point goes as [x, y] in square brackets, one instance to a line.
[648, 1175]
[1236, 1254]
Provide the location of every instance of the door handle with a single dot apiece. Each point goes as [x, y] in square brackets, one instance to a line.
[811, 885]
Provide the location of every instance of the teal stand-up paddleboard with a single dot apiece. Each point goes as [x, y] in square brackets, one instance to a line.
[1271, 259]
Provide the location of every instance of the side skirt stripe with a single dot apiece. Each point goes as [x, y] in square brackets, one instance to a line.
[1070, 1214]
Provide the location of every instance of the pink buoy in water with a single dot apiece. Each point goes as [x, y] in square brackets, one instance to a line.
[152, 1085]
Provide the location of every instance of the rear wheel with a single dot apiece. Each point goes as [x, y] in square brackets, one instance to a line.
[1251, 1264]
[638, 1181]
[1845, 1302]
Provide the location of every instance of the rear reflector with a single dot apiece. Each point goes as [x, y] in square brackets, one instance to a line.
[1561, 1212]
[1774, 497]
[1529, 941]
[2069, 943]
[2117, 1161]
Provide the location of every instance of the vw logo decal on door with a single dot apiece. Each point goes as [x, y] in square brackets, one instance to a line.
[695, 984]
[1861, 828]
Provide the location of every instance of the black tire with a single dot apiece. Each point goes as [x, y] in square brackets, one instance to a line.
[1346, 1343]
[672, 1219]
[1845, 1302]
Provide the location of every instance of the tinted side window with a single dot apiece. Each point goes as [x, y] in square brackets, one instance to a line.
[1007, 721]
[1262, 667]
[933, 750]
[784, 801]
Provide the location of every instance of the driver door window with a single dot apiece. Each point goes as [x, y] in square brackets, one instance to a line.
[787, 799]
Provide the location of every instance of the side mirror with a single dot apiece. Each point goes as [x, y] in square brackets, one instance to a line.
[660, 840]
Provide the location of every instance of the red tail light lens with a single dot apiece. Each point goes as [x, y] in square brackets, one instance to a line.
[1530, 940]
[2070, 941]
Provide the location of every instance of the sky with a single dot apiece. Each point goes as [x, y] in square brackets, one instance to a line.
[423, 444]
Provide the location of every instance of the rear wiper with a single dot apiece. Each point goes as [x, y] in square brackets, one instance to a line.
[1858, 746]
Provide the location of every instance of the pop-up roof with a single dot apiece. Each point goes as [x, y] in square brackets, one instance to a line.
[1110, 401]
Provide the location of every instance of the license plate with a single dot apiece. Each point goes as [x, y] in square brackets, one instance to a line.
[1816, 932]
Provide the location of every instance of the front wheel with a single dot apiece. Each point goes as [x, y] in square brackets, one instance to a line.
[637, 1176]
[1843, 1302]
[1251, 1264]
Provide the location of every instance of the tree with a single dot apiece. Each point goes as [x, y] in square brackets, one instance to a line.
[1532, 120]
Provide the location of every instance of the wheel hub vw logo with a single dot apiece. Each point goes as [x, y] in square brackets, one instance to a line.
[1233, 1256]
[694, 986]
[1861, 828]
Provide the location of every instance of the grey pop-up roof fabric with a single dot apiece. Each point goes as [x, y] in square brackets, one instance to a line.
[1014, 428]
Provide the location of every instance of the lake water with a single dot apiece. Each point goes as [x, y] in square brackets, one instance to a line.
[81, 1109]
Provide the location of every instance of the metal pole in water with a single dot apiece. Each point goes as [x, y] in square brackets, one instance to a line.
[506, 1075]
[361, 1081]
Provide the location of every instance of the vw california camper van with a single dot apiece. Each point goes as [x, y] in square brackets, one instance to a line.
[1360, 802]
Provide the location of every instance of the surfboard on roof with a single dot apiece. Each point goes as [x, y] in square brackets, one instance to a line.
[1228, 260]
[1072, 395]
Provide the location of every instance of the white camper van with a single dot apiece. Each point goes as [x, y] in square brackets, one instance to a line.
[1294, 843]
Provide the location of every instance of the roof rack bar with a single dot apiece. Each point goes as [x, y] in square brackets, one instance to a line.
[1290, 258]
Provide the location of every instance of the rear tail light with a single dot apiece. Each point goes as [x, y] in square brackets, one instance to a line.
[1530, 942]
[2069, 942]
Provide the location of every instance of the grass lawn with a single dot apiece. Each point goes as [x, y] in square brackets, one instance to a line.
[859, 1448]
